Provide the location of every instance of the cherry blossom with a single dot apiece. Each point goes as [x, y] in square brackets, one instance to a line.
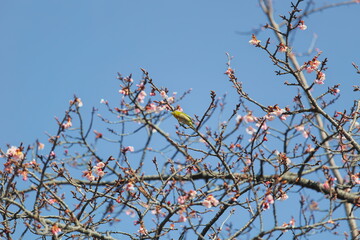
[229, 71]
[141, 96]
[181, 199]
[88, 175]
[282, 47]
[55, 230]
[129, 187]
[210, 201]
[40, 146]
[163, 94]
[15, 153]
[128, 148]
[182, 218]
[98, 169]
[249, 118]
[102, 101]
[143, 230]
[192, 194]
[253, 40]
[302, 25]
[312, 65]
[250, 130]
[320, 78]
[67, 124]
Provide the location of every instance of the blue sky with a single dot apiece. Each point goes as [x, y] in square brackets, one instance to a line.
[51, 50]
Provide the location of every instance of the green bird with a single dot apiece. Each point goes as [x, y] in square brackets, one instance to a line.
[183, 118]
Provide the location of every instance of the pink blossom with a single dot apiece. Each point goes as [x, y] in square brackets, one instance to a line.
[151, 107]
[326, 185]
[283, 117]
[141, 96]
[282, 47]
[130, 212]
[207, 203]
[128, 79]
[143, 231]
[41, 146]
[129, 187]
[266, 205]
[284, 196]
[88, 175]
[163, 94]
[305, 134]
[182, 218]
[300, 128]
[210, 201]
[254, 40]
[269, 117]
[171, 100]
[32, 162]
[100, 173]
[52, 201]
[122, 91]
[278, 111]
[160, 108]
[55, 230]
[192, 194]
[249, 118]
[320, 78]
[335, 91]
[229, 71]
[270, 199]
[313, 65]
[67, 125]
[284, 226]
[102, 101]
[263, 125]
[292, 222]
[52, 154]
[283, 159]
[99, 169]
[267, 201]
[78, 102]
[250, 130]
[140, 86]
[24, 174]
[329, 183]
[128, 148]
[181, 199]
[355, 178]
[302, 25]
[14, 153]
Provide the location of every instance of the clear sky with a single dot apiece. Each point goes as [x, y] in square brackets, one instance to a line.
[51, 50]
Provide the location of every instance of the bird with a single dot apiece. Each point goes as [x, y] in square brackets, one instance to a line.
[183, 118]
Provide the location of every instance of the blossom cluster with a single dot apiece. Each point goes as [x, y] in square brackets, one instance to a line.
[97, 170]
